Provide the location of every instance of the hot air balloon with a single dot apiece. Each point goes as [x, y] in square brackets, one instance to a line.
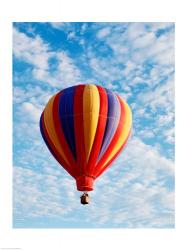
[85, 127]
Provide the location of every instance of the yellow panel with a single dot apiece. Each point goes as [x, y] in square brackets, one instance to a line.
[124, 133]
[91, 106]
[49, 124]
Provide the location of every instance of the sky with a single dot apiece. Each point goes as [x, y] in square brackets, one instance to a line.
[135, 60]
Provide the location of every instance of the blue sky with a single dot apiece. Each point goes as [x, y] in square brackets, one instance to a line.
[135, 60]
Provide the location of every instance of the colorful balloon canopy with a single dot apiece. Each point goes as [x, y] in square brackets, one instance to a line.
[85, 127]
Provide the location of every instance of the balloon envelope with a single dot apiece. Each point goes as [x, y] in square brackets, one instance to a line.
[85, 127]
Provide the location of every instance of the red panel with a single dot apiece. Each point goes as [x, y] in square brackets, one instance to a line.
[79, 130]
[55, 152]
[61, 136]
[113, 142]
[100, 130]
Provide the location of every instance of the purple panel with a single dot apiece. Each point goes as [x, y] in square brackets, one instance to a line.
[114, 111]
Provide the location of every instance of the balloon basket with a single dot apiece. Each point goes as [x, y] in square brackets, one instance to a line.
[85, 199]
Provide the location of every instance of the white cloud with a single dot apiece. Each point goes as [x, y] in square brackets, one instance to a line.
[56, 25]
[81, 41]
[147, 154]
[166, 119]
[147, 134]
[71, 35]
[136, 42]
[159, 25]
[34, 201]
[37, 53]
[133, 45]
[157, 107]
[67, 71]
[31, 50]
[161, 97]
[40, 74]
[129, 66]
[65, 74]
[60, 25]
[166, 57]
[34, 94]
[105, 69]
[28, 106]
[135, 30]
[30, 112]
[144, 40]
[169, 135]
[102, 33]
[83, 28]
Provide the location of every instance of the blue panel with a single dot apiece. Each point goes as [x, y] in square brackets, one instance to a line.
[66, 113]
[114, 111]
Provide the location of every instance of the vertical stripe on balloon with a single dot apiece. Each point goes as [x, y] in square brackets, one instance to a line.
[67, 117]
[100, 130]
[91, 105]
[79, 129]
[113, 117]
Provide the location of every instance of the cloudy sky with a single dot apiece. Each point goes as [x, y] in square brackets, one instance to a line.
[135, 60]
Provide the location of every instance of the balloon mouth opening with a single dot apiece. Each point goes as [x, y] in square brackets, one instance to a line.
[84, 188]
[84, 183]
